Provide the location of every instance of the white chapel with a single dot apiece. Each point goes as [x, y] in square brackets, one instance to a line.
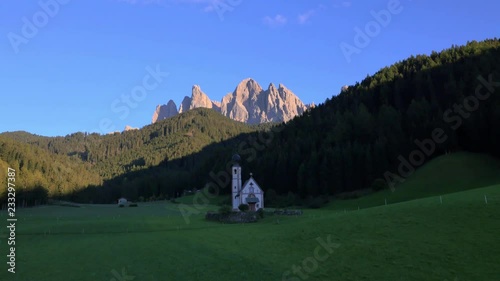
[249, 193]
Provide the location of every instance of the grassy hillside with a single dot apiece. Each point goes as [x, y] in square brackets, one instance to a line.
[153, 241]
[445, 174]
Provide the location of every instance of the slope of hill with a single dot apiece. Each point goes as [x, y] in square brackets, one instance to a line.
[158, 160]
[40, 174]
[444, 175]
[354, 138]
[169, 139]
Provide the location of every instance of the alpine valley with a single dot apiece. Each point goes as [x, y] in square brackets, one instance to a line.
[353, 141]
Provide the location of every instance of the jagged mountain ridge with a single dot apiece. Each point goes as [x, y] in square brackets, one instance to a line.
[248, 103]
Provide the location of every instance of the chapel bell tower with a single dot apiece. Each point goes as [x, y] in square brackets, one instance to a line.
[236, 182]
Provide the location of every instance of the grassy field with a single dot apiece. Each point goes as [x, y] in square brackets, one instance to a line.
[455, 237]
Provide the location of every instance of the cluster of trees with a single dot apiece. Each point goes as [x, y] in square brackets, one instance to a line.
[346, 144]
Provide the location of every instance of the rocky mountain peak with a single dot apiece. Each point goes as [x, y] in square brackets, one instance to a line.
[198, 99]
[247, 88]
[249, 103]
[165, 111]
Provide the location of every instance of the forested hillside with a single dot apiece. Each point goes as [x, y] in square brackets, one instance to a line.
[343, 145]
[40, 174]
[114, 154]
[352, 139]
[159, 157]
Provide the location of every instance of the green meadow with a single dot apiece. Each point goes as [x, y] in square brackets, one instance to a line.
[443, 223]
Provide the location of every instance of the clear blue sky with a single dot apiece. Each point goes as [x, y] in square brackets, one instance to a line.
[71, 72]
